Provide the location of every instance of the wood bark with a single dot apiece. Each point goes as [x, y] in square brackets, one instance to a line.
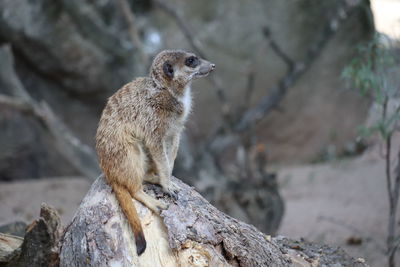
[191, 232]
[40, 246]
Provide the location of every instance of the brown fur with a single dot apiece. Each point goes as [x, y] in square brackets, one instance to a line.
[138, 134]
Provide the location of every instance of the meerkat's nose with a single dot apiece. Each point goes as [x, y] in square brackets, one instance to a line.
[212, 66]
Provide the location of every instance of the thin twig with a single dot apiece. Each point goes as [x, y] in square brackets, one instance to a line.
[394, 200]
[388, 143]
[397, 183]
[250, 89]
[277, 49]
[390, 191]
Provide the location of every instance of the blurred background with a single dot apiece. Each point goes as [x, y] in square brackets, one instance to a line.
[291, 133]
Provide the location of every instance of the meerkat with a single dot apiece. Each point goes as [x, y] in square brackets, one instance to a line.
[139, 130]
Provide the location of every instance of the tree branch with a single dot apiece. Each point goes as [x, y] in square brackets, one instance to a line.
[133, 31]
[15, 103]
[277, 49]
[223, 137]
[81, 156]
[295, 70]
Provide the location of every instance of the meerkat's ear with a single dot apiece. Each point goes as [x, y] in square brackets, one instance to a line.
[168, 69]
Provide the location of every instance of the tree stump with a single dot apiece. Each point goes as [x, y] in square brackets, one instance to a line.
[191, 232]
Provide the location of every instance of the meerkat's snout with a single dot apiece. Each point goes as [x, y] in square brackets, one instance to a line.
[205, 68]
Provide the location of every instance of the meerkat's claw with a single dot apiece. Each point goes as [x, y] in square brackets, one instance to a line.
[171, 193]
[175, 193]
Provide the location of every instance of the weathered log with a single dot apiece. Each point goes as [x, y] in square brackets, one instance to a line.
[191, 232]
[9, 247]
[40, 246]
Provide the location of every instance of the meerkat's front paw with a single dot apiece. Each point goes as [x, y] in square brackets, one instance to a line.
[169, 191]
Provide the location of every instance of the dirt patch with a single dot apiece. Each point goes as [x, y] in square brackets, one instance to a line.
[20, 201]
[343, 203]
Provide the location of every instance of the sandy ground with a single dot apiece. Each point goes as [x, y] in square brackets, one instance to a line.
[21, 200]
[332, 203]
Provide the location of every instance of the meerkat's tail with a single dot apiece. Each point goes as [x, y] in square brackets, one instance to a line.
[128, 208]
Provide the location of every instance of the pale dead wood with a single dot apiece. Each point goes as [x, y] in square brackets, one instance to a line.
[191, 232]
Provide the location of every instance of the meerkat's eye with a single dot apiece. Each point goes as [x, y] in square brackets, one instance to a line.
[192, 62]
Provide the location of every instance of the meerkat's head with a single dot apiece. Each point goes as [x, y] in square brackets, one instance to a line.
[175, 69]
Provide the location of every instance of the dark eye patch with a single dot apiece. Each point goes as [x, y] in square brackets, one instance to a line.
[168, 69]
[192, 62]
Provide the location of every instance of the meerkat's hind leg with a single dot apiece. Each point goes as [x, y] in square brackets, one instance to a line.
[152, 178]
[150, 202]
